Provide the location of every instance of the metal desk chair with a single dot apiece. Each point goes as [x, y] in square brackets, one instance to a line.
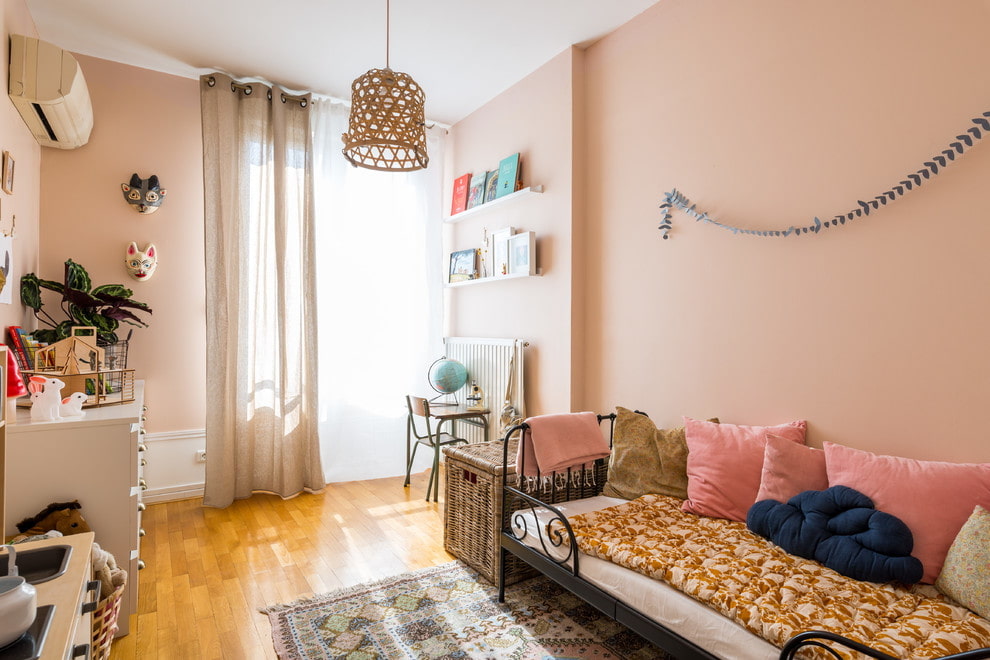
[435, 438]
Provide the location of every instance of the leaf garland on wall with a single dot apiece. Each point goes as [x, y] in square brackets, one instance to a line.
[676, 200]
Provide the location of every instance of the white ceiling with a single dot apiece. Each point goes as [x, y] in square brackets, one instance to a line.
[462, 52]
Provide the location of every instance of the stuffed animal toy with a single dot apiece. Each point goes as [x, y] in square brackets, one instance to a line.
[105, 570]
[72, 405]
[50, 534]
[64, 517]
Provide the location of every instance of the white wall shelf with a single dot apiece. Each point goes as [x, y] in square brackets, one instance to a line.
[499, 278]
[519, 194]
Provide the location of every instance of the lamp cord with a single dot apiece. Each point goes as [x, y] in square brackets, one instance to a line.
[387, 26]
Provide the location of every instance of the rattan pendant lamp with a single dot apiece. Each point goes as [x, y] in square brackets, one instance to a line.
[386, 130]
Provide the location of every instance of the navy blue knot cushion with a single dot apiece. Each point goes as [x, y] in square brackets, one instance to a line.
[840, 528]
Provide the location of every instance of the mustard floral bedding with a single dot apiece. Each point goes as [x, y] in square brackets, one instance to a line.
[771, 593]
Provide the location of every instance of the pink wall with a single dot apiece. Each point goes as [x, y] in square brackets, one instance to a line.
[766, 114]
[24, 203]
[534, 117]
[149, 123]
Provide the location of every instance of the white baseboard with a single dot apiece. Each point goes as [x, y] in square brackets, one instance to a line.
[167, 436]
[172, 493]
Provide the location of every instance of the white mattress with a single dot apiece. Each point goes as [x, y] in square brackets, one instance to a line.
[656, 599]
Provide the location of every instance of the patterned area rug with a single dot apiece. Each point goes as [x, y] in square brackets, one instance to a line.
[449, 611]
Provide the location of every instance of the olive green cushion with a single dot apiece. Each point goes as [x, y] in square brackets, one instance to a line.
[645, 459]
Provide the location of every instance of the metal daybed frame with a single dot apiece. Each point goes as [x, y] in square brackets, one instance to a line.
[557, 532]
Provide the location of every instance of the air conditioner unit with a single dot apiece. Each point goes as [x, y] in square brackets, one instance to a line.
[48, 89]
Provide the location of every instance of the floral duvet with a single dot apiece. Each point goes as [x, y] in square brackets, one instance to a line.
[768, 591]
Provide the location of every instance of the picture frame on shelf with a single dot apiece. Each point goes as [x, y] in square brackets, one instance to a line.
[522, 253]
[500, 251]
[463, 266]
[8, 173]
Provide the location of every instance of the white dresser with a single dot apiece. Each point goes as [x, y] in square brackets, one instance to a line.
[97, 460]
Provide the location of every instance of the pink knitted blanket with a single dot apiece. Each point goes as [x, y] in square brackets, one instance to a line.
[556, 442]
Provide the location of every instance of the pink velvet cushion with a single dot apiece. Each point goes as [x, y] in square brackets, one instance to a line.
[789, 469]
[725, 463]
[933, 498]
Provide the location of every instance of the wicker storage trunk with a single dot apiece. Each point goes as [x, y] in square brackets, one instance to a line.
[472, 516]
[472, 513]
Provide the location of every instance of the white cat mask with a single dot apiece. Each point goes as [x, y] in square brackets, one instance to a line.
[141, 265]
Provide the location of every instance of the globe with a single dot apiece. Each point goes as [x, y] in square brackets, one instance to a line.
[447, 376]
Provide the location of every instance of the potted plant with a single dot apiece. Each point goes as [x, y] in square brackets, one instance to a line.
[103, 307]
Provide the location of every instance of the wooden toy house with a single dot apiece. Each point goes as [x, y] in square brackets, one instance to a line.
[76, 354]
[81, 364]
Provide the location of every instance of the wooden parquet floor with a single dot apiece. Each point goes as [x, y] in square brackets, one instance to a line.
[210, 570]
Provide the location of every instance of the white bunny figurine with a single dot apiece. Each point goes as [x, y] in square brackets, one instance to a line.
[45, 408]
[72, 405]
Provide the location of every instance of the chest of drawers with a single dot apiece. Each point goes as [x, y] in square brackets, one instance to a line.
[96, 460]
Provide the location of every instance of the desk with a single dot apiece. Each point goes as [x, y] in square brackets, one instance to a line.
[459, 413]
[435, 438]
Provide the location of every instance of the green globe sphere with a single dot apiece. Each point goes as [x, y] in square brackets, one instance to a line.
[447, 376]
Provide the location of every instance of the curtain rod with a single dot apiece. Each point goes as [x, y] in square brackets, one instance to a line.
[296, 95]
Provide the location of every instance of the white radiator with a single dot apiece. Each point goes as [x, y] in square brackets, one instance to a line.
[490, 363]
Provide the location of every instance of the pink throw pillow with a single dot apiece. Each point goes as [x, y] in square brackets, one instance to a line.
[933, 498]
[725, 463]
[789, 469]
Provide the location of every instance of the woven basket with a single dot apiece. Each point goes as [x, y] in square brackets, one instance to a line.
[473, 517]
[105, 623]
[386, 130]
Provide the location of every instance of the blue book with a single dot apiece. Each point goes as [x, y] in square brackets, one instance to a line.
[508, 175]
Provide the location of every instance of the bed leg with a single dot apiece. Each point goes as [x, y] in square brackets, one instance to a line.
[501, 575]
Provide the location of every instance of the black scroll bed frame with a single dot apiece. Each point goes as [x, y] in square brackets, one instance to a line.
[557, 533]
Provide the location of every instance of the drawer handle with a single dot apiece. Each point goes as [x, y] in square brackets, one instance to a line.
[143, 484]
[94, 587]
[142, 447]
[81, 650]
[141, 564]
[141, 532]
[144, 461]
[141, 506]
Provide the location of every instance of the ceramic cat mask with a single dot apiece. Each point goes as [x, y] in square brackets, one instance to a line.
[145, 194]
[141, 265]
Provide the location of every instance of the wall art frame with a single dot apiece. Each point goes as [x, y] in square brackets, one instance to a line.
[8, 173]
[522, 253]
[500, 251]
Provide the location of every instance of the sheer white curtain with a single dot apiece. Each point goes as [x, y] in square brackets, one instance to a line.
[261, 425]
[379, 274]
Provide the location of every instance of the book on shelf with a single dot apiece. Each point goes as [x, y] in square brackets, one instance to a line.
[459, 202]
[491, 185]
[17, 335]
[31, 345]
[476, 191]
[509, 175]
